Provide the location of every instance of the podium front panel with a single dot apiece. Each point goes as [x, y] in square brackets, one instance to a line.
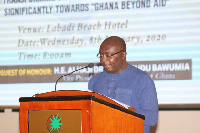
[54, 121]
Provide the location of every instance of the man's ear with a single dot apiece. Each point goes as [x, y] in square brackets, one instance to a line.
[124, 55]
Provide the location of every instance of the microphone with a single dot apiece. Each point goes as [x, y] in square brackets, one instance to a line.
[89, 65]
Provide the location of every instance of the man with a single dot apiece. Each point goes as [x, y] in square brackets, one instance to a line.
[124, 82]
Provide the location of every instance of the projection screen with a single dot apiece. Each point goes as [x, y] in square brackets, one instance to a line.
[41, 40]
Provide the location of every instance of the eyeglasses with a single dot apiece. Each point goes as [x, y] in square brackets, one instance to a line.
[100, 55]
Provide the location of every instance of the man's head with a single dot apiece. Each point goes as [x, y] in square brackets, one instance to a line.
[113, 54]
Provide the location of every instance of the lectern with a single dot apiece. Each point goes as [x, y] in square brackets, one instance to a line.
[77, 112]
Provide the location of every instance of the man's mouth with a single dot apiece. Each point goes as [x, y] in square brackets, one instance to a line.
[107, 66]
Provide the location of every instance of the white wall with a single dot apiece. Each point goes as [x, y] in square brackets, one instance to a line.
[169, 122]
[9, 121]
[178, 122]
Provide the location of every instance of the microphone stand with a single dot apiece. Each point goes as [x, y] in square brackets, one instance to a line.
[90, 66]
